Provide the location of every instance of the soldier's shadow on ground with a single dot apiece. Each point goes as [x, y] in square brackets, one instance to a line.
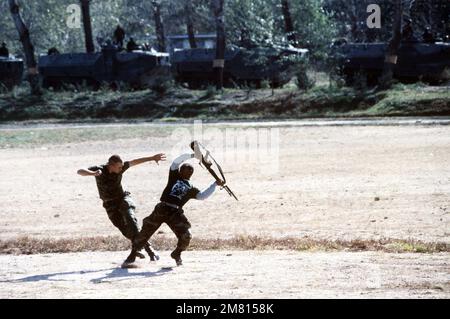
[119, 274]
[116, 274]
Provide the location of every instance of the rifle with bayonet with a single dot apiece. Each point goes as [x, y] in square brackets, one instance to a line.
[195, 146]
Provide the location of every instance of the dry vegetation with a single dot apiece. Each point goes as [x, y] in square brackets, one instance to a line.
[28, 245]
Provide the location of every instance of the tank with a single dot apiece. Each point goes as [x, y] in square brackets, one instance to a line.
[429, 62]
[139, 69]
[11, 72]
[242, 66]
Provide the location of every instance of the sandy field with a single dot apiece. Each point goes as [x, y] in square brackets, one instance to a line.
[327, 185]
[228, 274]
[328, 182]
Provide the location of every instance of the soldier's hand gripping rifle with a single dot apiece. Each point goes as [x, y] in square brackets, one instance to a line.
[208, 165]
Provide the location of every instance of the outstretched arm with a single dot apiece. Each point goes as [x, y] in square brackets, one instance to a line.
[86, 172]
[179, 160]
[209, 191]
[158, 157]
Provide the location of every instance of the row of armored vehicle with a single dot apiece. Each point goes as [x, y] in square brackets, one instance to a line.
[416, 61]
[194, 67]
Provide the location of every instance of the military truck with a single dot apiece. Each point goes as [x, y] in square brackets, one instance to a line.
[139, 69]
[417, 61]
[11, 72]
[242, 66]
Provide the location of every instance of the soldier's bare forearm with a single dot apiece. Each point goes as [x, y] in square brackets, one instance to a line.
[85, 172]
[156, 158]
[140, 160]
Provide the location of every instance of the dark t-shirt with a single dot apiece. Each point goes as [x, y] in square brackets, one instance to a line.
[109, 184]
[178, 191]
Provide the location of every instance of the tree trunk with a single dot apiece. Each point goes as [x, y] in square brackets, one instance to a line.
[219, 62]
[160, 36]
[288, 24]
[28, 48]
[190, 24]
[354, 22]
[392, 48]
[89, 42]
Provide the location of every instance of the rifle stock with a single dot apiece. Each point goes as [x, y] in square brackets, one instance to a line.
[212, 172]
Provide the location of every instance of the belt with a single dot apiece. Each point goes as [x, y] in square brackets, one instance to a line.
[171, 205]
[125, 194]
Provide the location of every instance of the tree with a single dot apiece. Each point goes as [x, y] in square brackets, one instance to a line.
[219, 62]
[253, 22]
[28, 47]
[190, 24]
[349, 17]
[288, 24]
[159, 27]
[89, 42]
[431, 13]
[392, 49]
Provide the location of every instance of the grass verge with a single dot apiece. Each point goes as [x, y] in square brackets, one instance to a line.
[231, 104]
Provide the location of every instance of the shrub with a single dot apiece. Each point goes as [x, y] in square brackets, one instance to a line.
[303, 81]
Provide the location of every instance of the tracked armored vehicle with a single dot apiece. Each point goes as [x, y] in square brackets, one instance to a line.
[417, 61]
[11, 72]
[242, 66]
[139, 69]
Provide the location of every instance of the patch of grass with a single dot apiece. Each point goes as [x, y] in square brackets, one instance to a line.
[29, 245]
[180, 103]
[57, 136]
[413, 247]
[210, 93]
[415, 99]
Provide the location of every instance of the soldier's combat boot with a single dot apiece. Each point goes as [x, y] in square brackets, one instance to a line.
[151, 253]
[129, 262]
[176, 254]
[140, 255]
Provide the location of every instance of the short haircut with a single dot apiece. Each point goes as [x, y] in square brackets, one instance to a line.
[187, 165]
[115, 159]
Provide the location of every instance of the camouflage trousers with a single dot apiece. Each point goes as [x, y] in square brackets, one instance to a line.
[121, 214]
[173, 217]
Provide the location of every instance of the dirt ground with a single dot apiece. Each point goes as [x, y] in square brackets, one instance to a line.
[325, 182]
[220, 274]
[332, 182]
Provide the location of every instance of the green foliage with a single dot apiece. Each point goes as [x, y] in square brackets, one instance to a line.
[252, 21]
[349, 18]
[247, 23]
[314, 29]
[303, 81]
[210, 93]
[259, 21]
[163, 87]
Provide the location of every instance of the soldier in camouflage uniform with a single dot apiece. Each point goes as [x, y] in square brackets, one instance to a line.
[178, 191]
[117, 202]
